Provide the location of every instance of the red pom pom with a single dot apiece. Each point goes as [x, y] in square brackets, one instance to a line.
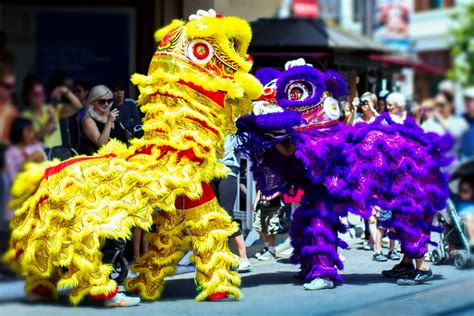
[104, 296]
[41, 290]
[217, 296]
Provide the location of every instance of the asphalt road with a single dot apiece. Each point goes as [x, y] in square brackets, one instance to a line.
[270, 289]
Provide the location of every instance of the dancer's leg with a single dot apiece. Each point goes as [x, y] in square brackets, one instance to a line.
[160, 261]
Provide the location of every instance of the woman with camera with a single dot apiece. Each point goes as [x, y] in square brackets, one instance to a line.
[99, 124]
[366, 107]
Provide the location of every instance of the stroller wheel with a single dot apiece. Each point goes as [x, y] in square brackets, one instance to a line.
[120, 265]
[436, 256]
[460, 260]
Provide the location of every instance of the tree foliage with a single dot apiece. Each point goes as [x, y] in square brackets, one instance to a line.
[462, 45]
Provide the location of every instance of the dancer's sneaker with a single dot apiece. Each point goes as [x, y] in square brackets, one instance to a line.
[244, 266]
[319, 284]
[122, 300]
[418, 278]
[393, 255]
[261, 252]
[400, 270]
[37, 298]
[267, 256]
[379, 257]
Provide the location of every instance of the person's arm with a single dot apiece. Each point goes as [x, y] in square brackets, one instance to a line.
[286, 148]
[73, 104]
[243, 188]
[49, 126]
[92, 132]
[372, 108]
[441, 121]
[257, 198]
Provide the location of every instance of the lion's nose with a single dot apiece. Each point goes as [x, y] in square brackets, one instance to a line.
[268, 94]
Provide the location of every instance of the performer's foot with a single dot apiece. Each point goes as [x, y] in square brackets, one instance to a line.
[261, 252]
[244, 266]
[122, 300]
[418, 278]
[403, 269]
[379, 257]
[39, 294]
[267, 256]
[393, 255]
[319, 284]
[37, 298]
[217, 296]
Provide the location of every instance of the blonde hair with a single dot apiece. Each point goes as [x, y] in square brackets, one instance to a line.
[369, 95]
[95, 94]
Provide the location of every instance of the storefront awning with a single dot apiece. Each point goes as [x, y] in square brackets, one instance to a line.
[406, 62]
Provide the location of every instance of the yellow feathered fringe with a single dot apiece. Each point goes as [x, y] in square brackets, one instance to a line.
[65, 211]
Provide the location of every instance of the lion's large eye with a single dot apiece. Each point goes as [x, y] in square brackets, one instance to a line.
[299, 91]
[200, 51]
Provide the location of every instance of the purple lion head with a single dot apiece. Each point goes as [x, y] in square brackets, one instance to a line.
[301, 88]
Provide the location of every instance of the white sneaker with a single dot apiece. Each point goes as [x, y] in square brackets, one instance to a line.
[122, 300]
[319, 284]
[244, 266]
[266, 256]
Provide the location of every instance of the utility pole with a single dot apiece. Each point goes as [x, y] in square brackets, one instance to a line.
[368, 16]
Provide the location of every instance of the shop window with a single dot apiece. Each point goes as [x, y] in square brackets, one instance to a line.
[426, 5]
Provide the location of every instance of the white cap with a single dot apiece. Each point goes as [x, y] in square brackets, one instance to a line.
[468, 93]
[446, 86]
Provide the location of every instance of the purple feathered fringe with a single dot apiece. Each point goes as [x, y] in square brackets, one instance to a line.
[352, 169]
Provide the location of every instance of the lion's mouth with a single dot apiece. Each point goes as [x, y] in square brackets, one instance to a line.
[236, 45]
[303, 109]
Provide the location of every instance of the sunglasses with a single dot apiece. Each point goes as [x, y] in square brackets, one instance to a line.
[103, 101]
[7, 86]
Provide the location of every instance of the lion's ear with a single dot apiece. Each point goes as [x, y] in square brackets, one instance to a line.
[159, 34]
[334, 83]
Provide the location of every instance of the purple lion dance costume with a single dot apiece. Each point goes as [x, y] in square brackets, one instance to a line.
[341, 168]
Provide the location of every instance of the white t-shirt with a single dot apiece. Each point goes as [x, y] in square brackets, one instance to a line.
[456, 126]
[360, 119]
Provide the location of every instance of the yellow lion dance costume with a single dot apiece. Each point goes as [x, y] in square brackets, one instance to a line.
[197, 84]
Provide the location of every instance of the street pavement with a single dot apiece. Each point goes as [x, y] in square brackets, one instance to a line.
[271, 289]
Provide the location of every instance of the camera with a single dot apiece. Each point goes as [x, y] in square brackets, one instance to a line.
[364, 102]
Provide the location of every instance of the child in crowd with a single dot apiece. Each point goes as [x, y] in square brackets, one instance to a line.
[465, 207]
[267, 222]
[383, 215]
[23, 148]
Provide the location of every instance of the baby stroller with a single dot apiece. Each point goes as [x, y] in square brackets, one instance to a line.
[113, 254]
[454, 234]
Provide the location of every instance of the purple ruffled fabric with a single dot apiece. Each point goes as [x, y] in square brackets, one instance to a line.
[352, 169]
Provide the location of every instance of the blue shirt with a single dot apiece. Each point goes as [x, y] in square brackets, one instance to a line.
[467, 140]
[129, 115]
[231, 156]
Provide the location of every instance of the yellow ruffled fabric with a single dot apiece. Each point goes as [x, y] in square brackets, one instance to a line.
[204, 230]
[62, 220]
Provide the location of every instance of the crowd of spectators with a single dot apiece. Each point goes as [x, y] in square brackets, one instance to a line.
[436, 115]
[58, 119]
